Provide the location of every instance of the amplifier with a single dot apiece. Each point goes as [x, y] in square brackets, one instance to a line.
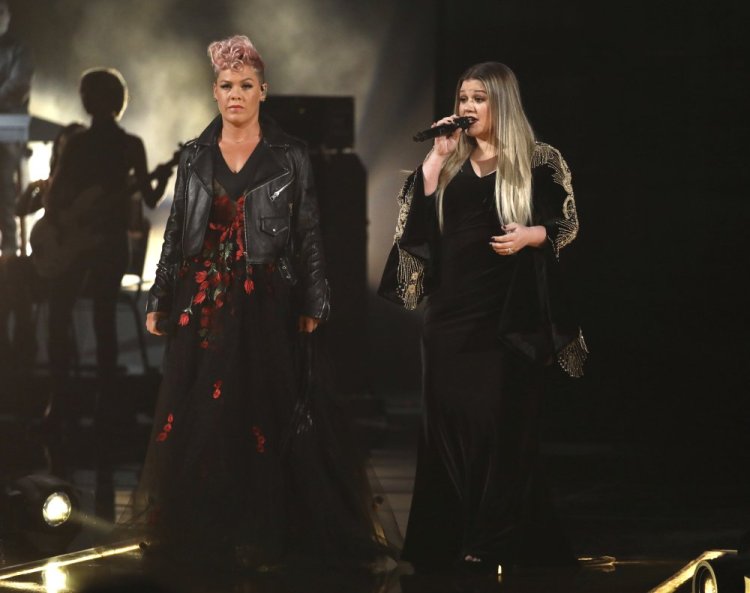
[21, 127]
[14, 127]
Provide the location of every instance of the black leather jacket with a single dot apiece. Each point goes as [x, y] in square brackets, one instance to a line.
[281, 217]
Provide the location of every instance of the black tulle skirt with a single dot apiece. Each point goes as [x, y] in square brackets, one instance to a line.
[251, 462]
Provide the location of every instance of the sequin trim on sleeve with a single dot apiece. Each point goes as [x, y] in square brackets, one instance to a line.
[567, 225]
[410, 275]
[572, 358]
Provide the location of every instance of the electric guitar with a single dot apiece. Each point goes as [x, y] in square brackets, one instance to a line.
[57, 242]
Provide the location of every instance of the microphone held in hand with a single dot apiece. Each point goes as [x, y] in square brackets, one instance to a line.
[444, 129]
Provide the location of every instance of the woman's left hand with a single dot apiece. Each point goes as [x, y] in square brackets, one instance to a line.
[308, 324]
[516, 237]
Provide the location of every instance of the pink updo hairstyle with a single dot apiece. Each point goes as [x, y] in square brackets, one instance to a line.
[235, 52]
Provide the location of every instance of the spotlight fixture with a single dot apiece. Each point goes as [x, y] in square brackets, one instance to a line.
[41, 509]
[57, 509]
[728, 574]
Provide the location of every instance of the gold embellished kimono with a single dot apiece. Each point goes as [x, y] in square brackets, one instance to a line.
[540, 322]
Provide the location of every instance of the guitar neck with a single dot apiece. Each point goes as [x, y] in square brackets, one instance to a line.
[133, 185]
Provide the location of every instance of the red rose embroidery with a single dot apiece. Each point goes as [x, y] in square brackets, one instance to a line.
[217, 389]
[260, 440]
[166, 429]
[214, 269]
[224, 210]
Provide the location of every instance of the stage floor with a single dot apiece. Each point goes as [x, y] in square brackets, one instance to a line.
[617, 502]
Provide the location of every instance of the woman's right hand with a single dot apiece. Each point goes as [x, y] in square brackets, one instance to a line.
[152, 321]
[441, 149]
[445, 145]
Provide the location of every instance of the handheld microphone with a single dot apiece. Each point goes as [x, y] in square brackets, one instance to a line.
[444, 129]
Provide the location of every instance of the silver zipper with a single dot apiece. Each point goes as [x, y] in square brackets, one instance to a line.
[275, 194]
[265, 183]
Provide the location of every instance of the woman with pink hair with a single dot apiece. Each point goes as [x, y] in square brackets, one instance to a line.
[241, 469]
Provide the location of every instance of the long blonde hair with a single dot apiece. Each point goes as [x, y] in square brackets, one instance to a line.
[512, 137]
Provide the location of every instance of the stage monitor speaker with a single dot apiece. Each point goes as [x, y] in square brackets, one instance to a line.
[341, 183]
[323, 122]
[327, 125]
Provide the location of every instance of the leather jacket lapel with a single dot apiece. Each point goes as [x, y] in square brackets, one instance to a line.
[269, 168]
[270, 165]
[203, 167]
[203, 163]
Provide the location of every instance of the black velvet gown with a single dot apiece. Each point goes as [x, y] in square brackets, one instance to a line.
[478, 489]
[246, 467]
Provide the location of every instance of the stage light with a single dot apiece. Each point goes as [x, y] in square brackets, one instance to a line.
[57, 509]
[728, 574]
[38, 162]
[41, 510]
[55, 578]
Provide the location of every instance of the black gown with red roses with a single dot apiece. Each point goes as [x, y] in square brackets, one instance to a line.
[239, 470]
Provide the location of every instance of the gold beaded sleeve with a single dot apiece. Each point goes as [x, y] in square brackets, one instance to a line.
[562, 230]
[410, 275]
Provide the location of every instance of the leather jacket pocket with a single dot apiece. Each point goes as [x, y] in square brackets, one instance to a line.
[275, 225]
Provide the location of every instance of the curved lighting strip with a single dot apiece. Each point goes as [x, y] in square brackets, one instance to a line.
[686, 572]
[67, 559]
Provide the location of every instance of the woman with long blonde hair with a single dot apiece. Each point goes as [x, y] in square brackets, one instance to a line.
[480, 230]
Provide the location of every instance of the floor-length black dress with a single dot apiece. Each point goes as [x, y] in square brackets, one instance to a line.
[242, 470]
[478, 490]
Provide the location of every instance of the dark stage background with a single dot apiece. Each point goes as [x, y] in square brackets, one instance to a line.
[647, 101]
